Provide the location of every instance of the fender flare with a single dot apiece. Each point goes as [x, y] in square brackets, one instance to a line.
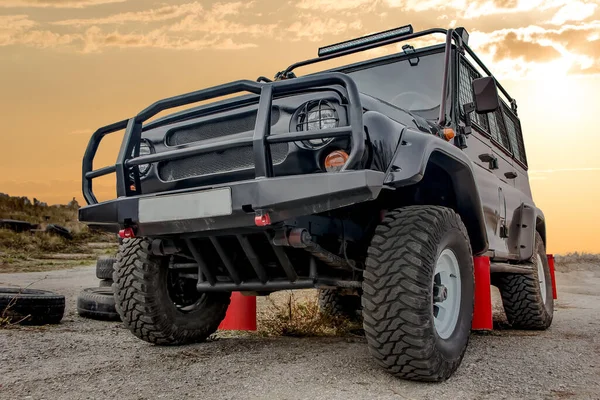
[415, 152]
[528, 220]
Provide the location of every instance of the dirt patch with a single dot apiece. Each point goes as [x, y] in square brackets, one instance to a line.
[83, 359]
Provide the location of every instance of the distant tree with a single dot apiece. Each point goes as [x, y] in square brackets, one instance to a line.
[73, 203]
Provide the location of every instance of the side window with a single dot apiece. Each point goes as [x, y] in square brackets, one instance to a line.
[465, 95]
[513, 126]
[502, 125]
[498, 129]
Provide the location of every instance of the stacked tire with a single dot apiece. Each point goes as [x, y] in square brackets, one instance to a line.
[99, 302]
[30, 306]
[104, 270]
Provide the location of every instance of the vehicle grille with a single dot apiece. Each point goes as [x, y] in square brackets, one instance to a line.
[217, 128]
[230, 160]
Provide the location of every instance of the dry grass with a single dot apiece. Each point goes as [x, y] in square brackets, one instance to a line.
[577, 257]
[297, 317]
[577, 261]
[30, 251]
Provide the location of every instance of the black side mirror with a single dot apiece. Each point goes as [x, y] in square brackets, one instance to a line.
[485, 94]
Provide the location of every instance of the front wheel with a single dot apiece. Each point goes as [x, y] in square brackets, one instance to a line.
[156, 305]
[418, 293]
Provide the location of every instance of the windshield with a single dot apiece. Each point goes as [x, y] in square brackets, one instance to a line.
[417, 89]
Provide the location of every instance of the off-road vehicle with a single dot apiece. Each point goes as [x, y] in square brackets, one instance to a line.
[376, 183]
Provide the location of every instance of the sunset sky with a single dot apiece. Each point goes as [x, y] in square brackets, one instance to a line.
[70, 66]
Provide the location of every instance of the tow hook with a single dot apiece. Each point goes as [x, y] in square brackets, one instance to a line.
[127, 233]
[262, 218]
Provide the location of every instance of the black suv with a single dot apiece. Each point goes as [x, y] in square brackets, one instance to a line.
[376, 183]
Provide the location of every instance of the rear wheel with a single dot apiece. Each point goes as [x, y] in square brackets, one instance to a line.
[418, 293]
[335, 303]
[159, 306]
[528, 298]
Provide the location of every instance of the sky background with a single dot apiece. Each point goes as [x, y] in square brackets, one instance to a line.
[68, 67]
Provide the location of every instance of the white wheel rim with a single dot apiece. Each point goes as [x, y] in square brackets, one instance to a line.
[541, 277]
[446, 309]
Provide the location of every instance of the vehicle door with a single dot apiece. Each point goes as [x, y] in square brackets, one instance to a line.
[498, 193]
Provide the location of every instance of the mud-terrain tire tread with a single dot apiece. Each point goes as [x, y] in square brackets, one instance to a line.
[136, 283]
[105, 267]
[397, 296]
[522, 297]
[97, 303]
[31, 306]
[331, 302]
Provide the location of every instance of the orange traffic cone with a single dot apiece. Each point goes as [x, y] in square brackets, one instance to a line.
[241, 314]
[482, 313]
[551, 265]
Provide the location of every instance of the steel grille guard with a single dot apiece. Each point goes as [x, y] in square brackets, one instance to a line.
[260, 141]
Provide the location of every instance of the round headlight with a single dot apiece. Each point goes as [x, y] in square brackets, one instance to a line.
[317, 115]
[145, 150]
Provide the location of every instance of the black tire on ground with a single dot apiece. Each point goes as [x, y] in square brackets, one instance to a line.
[31, 306]
[145, 304]
[105, 283]
[524, 305]
[97, 303]
[398, 302]
[105, 267]
[59, 230]
[334, 303]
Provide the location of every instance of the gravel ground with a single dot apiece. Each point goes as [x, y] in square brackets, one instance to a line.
[87, 359]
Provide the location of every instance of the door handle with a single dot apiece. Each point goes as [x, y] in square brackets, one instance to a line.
[510, 175]
[491, 159]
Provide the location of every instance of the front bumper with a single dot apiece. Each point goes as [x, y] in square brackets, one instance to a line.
[282, 197]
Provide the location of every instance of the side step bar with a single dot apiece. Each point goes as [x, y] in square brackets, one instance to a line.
[511, 268]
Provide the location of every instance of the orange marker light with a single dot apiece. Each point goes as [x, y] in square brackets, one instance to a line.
[335, 160]
[449, 133]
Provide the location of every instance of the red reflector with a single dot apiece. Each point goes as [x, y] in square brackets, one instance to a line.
[126, 233]
[262, 219]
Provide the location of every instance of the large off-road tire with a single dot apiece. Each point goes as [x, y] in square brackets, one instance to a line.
[31, 306]
[104, 267]
[528, 298]
[141, 286]
[97, 303]
[412, 333]
[333, 302]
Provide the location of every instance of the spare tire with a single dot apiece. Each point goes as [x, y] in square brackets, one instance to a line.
[31, 306]
[104, 267]
[60, 231]
[97, 303]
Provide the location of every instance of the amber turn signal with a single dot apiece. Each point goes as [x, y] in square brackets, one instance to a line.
[449, 133]
[335, 160]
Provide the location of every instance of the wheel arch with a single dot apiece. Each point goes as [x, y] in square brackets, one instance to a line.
[418, 157]
[468, 202]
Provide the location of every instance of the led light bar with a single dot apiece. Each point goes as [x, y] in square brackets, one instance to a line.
[373, 38]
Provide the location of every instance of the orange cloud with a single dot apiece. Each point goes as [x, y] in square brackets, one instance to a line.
[152, 15]
[55, 3]
[314, 28]
[335, 5]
